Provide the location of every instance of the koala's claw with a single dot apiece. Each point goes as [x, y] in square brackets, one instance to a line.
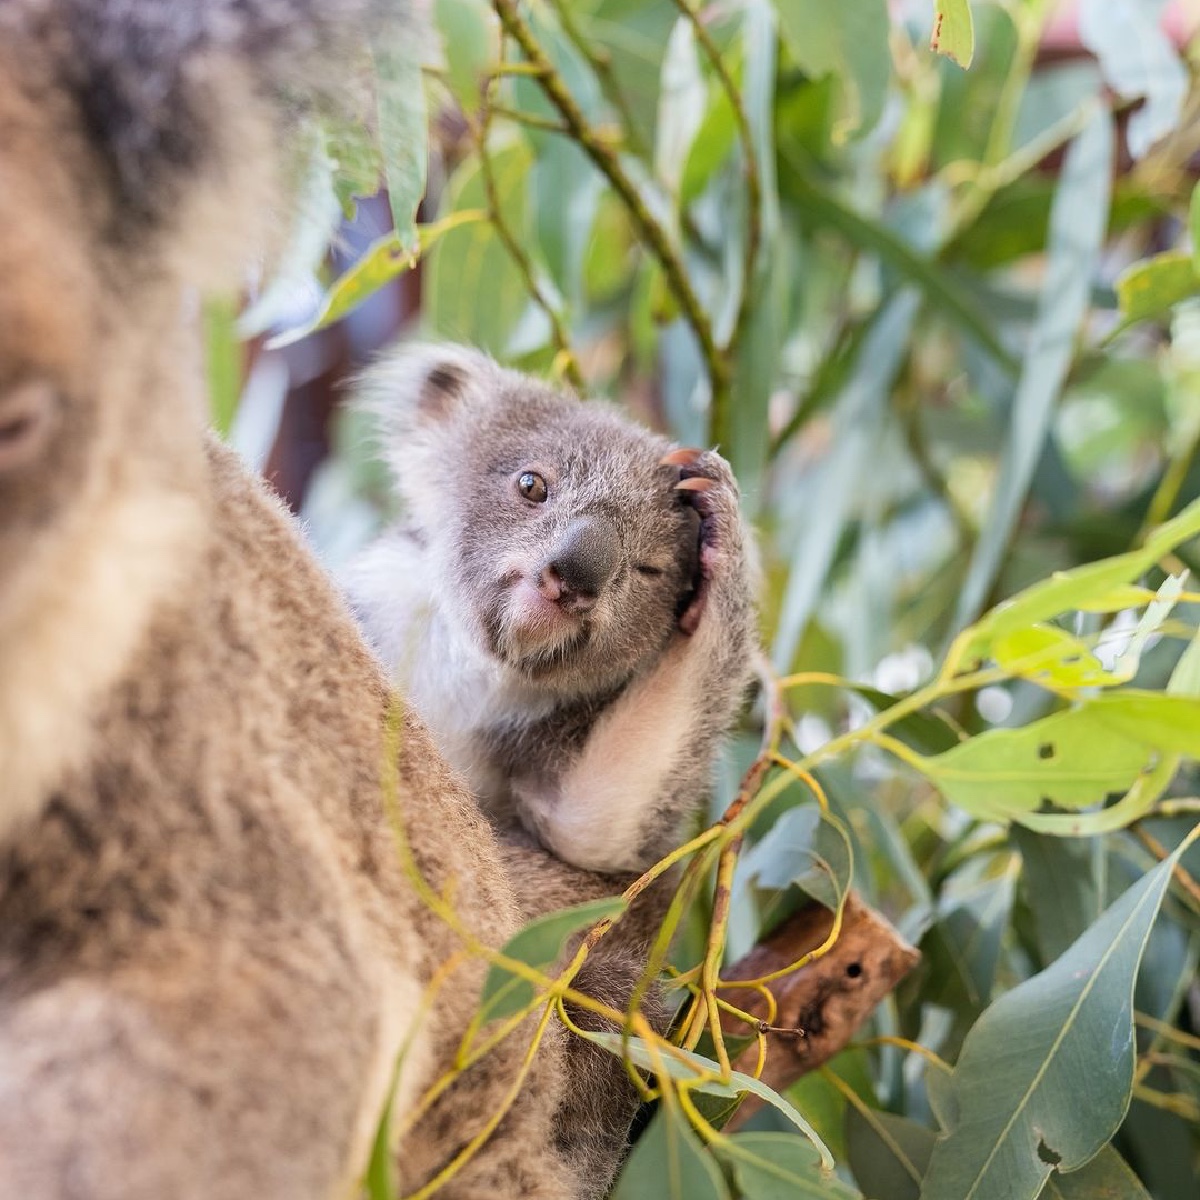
[708, 486]
[683, 457]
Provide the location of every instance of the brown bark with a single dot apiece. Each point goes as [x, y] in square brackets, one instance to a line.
[820, 1007]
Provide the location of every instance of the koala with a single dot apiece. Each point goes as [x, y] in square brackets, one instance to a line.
[566, 601]
[216, 957]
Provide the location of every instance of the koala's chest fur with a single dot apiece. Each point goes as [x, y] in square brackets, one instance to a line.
[496, 728]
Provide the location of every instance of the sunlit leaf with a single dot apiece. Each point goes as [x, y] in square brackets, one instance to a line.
[539, 945]
[1045, 1075]
[953, 32]
[1154, 286]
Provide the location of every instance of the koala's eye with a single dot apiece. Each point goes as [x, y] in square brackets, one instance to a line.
[532, 486]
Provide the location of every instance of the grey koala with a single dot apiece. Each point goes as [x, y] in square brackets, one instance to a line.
[567, 602]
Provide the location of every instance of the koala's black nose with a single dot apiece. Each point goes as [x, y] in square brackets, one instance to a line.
[583, 561]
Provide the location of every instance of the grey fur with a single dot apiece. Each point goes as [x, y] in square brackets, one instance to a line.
[599, 738]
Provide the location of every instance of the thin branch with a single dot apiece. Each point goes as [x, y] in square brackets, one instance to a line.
[522, 261]
[609, 164]
[600, 62]
[719, 416]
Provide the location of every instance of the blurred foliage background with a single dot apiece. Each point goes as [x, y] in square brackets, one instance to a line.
[943, 323]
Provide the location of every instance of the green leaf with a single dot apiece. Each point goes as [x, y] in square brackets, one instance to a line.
[1154, 286]
[1049, 655]
[805, 847]
[669, 1163]
[1194, 226]
[682, 97]
[1185, 678]
[779, 1166]
[223, 363]
[470, 42]
[848, 41]
[1107, 1177]
[888, 1153]
[383, 260]
[953, 31]
[539, 944]
[1101, 586]
[1078, 223]
[1062, 882]
[1164, 722]
[471, 289]
[1072, 758]
[835, 486]
[1157, 611]
[1046, 1074]
[683, 1065]
[403, 134]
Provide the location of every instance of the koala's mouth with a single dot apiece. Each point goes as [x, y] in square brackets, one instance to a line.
[530, 633]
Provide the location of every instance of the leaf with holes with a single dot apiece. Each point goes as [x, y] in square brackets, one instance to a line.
[1072, 759]
[1107, 1177]
[1045, 1075]
[539, 945]
[953, 31]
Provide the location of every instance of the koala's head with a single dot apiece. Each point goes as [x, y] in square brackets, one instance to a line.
[558, 536]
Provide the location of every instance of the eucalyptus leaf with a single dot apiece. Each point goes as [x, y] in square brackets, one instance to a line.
[1046, 1074]
[780, 1166]
[539, 944]
[670, 1163]
[953, 31]
[888, 1153]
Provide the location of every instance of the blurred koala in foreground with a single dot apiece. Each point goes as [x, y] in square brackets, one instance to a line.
[211, 952]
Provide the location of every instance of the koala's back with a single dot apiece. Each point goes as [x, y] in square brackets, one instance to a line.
[208, 946]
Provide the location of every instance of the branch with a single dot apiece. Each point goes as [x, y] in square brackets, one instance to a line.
[609, 165]
[820, 1007]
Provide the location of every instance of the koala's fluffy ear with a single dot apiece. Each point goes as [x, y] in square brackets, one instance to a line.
[417, 393]
[426, 384]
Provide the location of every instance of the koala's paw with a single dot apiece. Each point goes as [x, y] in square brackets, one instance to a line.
[707, 484]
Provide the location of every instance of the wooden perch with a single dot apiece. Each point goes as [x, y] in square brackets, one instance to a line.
[820, 1007]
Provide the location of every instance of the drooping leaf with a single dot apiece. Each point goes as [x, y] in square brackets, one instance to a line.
[1078, 222]
[471, 42]
[382, 262]
[403, 134]
[670, 1163]
[953, 31]
[539, 944]
[780, 1166]
[1045, 1075]
[704, 1076]
[681, 103]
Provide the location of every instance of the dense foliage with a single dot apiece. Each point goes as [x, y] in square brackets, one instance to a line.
[940, 321]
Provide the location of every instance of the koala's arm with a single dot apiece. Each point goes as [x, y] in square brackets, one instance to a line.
[647, 765]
